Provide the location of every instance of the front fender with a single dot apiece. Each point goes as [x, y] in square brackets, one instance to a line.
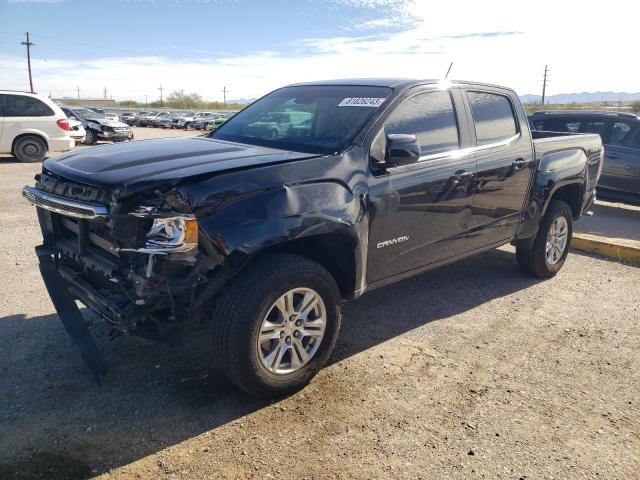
[250, 223]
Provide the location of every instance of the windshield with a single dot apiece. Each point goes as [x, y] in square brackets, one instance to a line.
[314, 119]
[87, 114]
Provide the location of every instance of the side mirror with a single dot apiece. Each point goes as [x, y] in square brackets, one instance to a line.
[402, 149]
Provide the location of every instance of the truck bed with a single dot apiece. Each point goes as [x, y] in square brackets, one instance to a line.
[545, 141]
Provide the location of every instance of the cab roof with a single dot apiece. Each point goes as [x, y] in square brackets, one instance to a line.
[395, 83]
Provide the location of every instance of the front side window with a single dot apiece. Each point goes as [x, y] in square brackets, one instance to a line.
[493, 117]
[310, 118]
[24, 106]
[429, 116]
[626, 135]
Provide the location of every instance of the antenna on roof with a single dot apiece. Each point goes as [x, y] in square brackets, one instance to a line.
[447, 75]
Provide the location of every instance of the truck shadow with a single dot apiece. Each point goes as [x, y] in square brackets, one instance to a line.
[55, 423]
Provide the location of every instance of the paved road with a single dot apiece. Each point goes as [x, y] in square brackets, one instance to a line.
[474, 370]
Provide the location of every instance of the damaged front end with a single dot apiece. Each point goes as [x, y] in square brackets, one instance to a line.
[139, 262]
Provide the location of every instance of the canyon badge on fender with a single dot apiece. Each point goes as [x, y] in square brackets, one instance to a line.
[393, 241]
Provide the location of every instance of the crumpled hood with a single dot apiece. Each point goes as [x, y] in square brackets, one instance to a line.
[107, 122]
[135, 166]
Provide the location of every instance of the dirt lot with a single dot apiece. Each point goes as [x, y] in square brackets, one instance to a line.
[472, 371]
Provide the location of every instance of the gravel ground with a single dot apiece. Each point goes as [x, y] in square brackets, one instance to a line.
[471, 371]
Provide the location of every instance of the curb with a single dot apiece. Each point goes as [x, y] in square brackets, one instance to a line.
[606, 249]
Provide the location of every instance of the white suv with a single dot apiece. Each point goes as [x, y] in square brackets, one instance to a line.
[31, 125]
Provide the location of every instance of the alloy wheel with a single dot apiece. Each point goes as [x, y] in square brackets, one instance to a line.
[557, 240]
[292, 330]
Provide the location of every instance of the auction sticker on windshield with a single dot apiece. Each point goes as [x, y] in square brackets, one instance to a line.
[361, 102]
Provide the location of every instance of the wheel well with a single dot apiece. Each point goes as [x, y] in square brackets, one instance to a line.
[333, 251]
[572, 195]
[22, 135]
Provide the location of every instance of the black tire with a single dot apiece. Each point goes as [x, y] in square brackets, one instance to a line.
[244, 305]
[30, 149]
[91, 137]
[188, 126]
[534, 260]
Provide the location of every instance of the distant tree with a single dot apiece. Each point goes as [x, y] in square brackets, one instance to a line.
[179, 99]
[635, 106]
[128, 103]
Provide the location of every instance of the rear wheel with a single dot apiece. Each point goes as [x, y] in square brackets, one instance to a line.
[551, 246]
[276, 325]
[30, 149]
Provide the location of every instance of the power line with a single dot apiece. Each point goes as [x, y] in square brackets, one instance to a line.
[29, 45]
[104, 91]
[544, 83]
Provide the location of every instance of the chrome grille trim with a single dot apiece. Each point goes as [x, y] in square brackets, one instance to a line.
[64, 206]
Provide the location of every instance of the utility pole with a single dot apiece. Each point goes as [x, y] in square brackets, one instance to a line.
[161, 89]
[105, 93]
[78, 90]
[146, 97]
[224, 95]
[544, 83]
[29, 45]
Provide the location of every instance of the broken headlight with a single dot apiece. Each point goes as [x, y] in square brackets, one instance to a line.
[172, 234]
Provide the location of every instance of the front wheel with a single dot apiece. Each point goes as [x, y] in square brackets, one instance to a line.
[91, 137]
[276, 325]
[551, 245]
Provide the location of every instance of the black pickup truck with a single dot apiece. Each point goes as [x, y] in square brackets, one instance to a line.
[310, 196]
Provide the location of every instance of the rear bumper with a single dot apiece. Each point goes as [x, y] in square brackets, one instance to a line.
[61, 144]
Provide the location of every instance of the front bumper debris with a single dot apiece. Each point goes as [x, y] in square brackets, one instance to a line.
[69, 314]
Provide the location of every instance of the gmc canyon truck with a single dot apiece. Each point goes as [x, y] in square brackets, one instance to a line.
[267, 234]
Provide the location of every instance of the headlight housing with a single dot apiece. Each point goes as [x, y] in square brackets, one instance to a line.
[172, 234]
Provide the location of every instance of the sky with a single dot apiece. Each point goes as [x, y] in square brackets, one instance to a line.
[132, 47]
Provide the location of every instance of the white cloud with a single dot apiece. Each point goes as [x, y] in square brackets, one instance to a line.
[586, 48]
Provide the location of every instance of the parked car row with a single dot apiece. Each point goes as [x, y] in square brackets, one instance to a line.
[182, 120]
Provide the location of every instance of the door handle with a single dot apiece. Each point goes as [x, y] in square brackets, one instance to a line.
[519, 163]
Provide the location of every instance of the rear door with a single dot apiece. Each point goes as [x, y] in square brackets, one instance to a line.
[621, 170]
[419, 213]
[504, 156]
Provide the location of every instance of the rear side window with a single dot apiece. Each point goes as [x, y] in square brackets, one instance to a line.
[542, 125]
[625, 134]
[430, 117]
[24, 106]
[493, 117]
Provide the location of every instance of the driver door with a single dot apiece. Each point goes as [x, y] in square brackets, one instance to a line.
[419, 213]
